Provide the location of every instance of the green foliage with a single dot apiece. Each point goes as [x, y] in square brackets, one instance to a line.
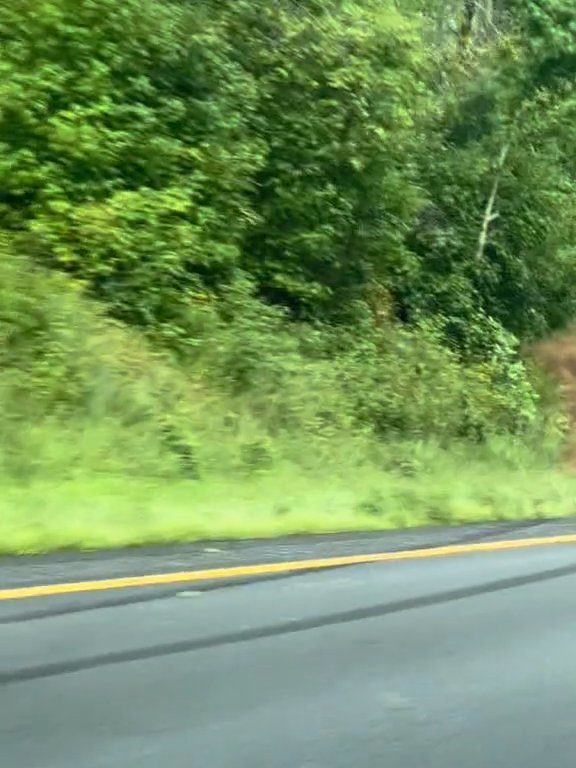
[249, 240]
[522, 278]
[449, 486]
[406, 383]
[76, 389]
[549, 37]
[153, 148]
[260, 391]
[495, 238]
[341, 91]
[125, 157]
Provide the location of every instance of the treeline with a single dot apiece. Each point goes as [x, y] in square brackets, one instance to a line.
[366, 202]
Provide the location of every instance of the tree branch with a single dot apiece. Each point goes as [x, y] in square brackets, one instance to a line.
[489, 214]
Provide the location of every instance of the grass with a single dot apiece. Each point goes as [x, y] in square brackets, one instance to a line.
[91, 511]
[99, 428]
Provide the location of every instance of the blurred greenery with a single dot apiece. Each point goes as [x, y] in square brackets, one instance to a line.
[270, 269]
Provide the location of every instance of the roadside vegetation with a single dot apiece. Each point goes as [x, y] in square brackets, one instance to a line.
[273, 268]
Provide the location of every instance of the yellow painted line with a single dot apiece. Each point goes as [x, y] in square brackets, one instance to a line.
[241, 571]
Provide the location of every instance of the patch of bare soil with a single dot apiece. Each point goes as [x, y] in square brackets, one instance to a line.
[557, 357]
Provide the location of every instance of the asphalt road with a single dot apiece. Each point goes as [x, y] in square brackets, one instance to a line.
[464, 661]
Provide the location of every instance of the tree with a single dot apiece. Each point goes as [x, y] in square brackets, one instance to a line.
[340, 91]
[126, 158]
[495, 239]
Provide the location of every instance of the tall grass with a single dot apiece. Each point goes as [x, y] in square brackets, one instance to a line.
[98, 510]
[262, 429]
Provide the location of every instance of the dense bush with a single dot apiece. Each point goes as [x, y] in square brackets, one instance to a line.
[125, 156]
[80, 392]
[262, 225]
[76, 389]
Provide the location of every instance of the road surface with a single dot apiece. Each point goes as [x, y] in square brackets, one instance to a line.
[464, 661]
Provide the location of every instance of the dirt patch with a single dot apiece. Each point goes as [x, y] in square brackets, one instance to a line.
[557, 357]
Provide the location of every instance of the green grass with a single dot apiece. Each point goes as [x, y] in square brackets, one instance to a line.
[94, 512]
[99, 429]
